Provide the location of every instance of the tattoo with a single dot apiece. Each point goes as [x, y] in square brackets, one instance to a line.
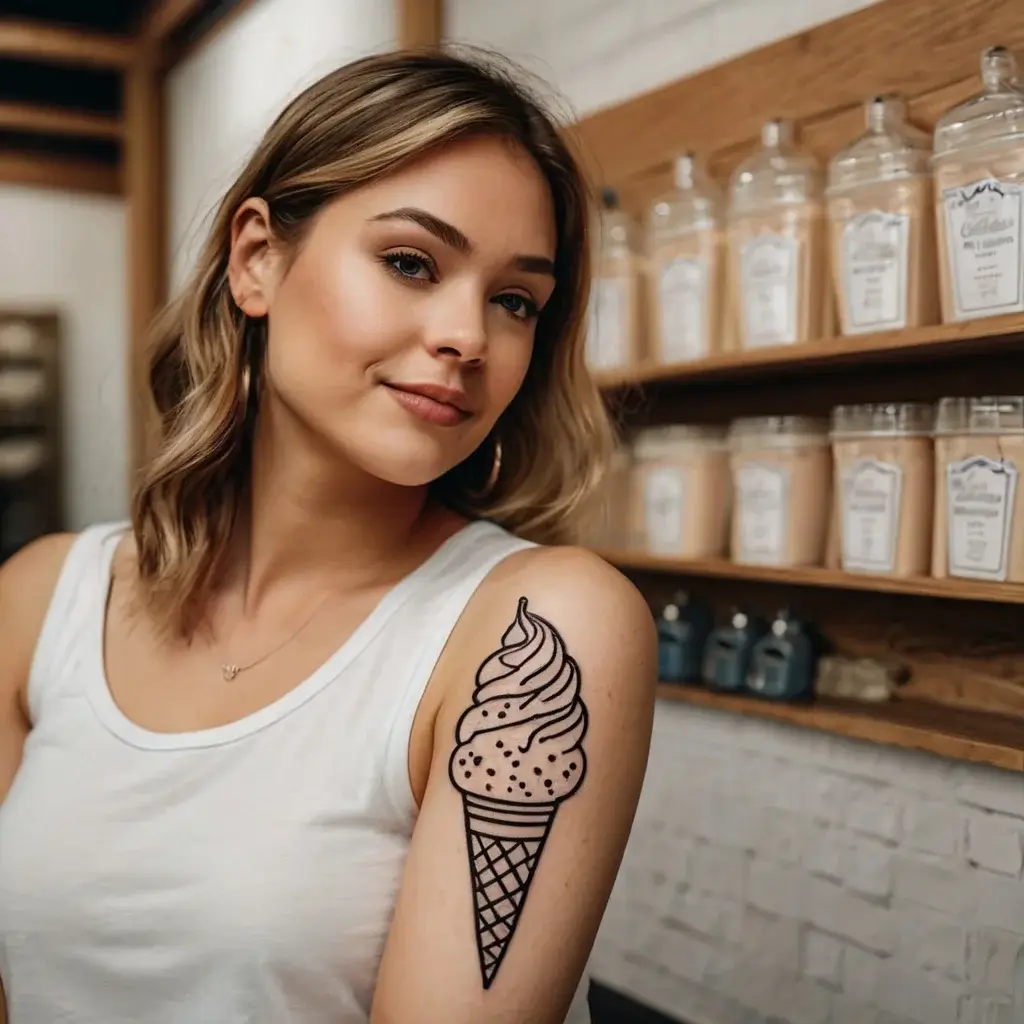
[519, 754]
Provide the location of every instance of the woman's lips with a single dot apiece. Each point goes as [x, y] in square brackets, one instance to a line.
[429, 409]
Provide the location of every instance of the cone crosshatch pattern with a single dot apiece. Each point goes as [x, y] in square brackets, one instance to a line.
[519, 754]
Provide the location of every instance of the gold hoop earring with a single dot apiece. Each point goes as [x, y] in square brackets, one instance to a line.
[492, 477]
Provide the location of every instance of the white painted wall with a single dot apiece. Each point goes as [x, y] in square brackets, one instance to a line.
[776, 876]
[224, 96]
[66, 251]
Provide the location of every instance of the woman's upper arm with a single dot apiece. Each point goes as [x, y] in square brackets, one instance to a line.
[27, 580]
[540, 750]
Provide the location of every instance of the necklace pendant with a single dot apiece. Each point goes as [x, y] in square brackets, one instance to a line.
[229, 672]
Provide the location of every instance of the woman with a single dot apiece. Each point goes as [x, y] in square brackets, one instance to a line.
[298, 743]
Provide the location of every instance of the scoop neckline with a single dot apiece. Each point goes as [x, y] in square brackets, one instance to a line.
[130, 732]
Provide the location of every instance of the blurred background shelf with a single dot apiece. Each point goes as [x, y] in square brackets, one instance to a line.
[940, 341]
[918, 586]
[957, 733]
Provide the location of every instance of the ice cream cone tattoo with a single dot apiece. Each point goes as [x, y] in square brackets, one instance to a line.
[519, 755]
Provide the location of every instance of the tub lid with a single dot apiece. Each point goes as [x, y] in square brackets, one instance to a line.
[655, 441]
[775, 431]
[993, 414]
[887, 419]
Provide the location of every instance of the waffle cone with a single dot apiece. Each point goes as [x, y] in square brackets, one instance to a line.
[505, 841]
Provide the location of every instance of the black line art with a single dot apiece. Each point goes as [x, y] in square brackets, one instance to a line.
[518, 755]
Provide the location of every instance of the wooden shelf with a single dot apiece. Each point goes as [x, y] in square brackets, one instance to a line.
[720, 568]
[918, 343]
[913, 725]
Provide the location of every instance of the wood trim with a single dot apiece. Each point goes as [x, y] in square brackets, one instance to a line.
[60, 173]
[962, 735]
[175, 51]
[54, 44]
[166, 16]
[912, 344]
[420, 23]
[833, 579]
[27, 117]
[144, 160]
[895, 45]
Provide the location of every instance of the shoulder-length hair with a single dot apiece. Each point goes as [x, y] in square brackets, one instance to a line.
[356, 125]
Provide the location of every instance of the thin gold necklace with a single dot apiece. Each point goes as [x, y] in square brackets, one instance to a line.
[229, 670]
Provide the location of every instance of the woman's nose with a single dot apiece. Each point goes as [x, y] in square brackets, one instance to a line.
[460, 332]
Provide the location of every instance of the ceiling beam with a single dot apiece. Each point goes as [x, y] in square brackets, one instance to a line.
[60, 172]
[54, 44]
[25, 117]
[165, 17]
[420, 23]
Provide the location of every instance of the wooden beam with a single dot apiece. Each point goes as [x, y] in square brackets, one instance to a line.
[895, 45]
[55, 44]
[144, 161]
[25, 117]
[165, 17]
[420, 23]
[73, 175]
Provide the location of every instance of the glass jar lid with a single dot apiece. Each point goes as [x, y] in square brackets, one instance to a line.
[659, 442]
[20, 456]
[995, 114]
[616, 231]
[694, 204]
[996, 414]
[890, 149]
[906, 419]
[778, 174]
[777, 432]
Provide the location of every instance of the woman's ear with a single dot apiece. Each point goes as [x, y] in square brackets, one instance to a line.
[252, 266]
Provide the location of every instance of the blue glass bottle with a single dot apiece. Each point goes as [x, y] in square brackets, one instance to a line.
[683, 629]
[784, 661]
[729, 651]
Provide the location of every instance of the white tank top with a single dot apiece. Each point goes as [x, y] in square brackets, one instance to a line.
[244, 874]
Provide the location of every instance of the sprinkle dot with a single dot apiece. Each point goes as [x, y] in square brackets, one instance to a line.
[522, 785]
[510, 789]
[469, 775]
[548, 783]
[484, 713]
[551, 758]
[572, 766]
[512, 777]
[490, 771]
[477, 760]
[508, 753]
[499, 744]
[536, 771]
[565, 774]
[462, 762]
[507, 705]
[515, 764]
[527, 793]
[501, 714]
[488, 787]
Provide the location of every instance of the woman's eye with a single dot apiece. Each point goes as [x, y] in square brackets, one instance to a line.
[517, 306]
[408, 265]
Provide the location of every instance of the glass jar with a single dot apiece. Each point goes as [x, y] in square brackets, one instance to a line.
[685, 244]
[613, 330]
[681, 491]
[979, 519]
[882, 223]
[979, 184]
[884, 472]
[782, 484]
[777, 243]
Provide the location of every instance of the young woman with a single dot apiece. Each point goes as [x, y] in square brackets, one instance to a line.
[337, 730]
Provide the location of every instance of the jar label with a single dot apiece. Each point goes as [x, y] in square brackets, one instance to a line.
[769, 281]
[607, 341]
[871, 515]
[664, 491]
[682, 304]
[763, 509]
[985, 247]
[875, 250]
[980, 493]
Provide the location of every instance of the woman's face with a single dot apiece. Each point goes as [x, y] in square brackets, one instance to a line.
[404, 326]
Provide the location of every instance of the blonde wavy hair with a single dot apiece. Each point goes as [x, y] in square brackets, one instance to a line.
[356, 125]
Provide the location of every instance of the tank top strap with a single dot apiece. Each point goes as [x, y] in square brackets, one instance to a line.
[79, 596]
[444, 597]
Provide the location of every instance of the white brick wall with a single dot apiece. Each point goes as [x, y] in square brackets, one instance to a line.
[776, 876]
[750, 894]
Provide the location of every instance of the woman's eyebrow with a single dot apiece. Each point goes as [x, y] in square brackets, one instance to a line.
[451, 236]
